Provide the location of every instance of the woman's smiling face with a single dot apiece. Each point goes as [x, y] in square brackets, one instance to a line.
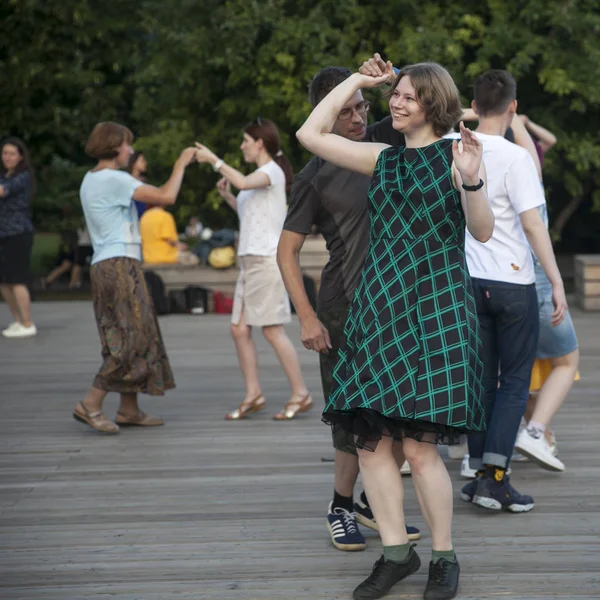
[407, 113]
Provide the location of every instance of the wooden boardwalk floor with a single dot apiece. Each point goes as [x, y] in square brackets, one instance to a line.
[206, 509]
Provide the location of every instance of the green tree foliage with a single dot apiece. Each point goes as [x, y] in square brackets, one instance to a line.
[64, 65]
[186, 70]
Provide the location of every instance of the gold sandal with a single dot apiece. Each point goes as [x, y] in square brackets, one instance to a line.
[246, 408]
[294, 408]
[140, 419]
[95, 420]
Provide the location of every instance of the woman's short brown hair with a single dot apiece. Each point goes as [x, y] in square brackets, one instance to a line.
[105, 140]
[436, 93]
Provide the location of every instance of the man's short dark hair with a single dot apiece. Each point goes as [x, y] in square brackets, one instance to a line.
[494, 91]
[324, 81]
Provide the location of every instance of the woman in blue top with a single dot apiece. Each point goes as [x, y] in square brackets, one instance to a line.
[137, 167]
[16, 236]
[134, 357]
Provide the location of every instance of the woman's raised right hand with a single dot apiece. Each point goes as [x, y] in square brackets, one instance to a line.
[375, 66]
[370, 80]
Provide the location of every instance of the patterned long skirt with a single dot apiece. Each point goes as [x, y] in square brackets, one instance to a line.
[134, 356]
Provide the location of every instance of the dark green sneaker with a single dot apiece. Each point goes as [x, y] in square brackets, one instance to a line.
[386, 574]
[442, 583]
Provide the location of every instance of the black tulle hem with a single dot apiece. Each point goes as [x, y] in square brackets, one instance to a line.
[364, 428]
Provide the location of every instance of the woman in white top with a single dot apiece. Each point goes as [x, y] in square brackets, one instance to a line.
[260, 297]
[134, 359]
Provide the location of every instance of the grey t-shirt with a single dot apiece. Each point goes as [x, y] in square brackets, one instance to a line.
[336, 201]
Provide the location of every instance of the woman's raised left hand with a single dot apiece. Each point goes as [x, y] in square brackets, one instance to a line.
[467, 157]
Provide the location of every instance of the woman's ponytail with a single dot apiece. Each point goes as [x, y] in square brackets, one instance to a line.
[266, 130]
[282, 160]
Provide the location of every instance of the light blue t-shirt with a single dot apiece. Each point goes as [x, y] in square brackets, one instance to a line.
[110, 214]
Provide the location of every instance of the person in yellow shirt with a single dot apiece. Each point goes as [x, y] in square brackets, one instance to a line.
[160, 243]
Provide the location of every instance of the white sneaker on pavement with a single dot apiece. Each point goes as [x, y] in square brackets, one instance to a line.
[405, 468]
[12, 326]
[20, 331]
[538, 450]
[465, 468]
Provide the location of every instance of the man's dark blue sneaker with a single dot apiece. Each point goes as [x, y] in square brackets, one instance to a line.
[497, 495]
[343, 529]
[364, 515]
[469, 490]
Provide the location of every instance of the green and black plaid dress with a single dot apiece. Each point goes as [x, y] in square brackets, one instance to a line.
[410, 362]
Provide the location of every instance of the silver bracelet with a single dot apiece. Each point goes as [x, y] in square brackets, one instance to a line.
[218, 165]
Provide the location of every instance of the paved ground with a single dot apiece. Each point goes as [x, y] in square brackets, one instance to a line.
[206, 509]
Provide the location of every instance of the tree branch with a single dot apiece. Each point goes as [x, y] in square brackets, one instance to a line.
[563, 217]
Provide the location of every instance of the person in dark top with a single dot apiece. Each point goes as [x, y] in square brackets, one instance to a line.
[335, 201]
[16, 235]
[138, 165]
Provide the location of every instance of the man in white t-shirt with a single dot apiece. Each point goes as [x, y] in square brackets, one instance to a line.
[504, 287]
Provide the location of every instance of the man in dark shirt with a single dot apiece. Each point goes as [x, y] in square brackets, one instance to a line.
[335, 200]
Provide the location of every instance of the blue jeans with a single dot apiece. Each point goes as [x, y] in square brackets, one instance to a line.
[509, 329]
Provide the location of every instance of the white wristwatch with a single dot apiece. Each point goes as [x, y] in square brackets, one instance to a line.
[218, 165]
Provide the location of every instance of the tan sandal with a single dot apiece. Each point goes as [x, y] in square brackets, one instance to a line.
[293, 408]
[95, 420]
[140, 419]
[246, 408]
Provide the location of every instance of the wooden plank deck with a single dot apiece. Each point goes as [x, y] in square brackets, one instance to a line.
[205, 509]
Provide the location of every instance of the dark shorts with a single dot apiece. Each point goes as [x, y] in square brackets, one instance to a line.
[64, 255]
[334, 319]
[83, 255]
[15, 255]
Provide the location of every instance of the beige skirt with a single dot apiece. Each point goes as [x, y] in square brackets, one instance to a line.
[259, 293]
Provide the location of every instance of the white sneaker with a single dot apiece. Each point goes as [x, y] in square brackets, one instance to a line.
[13, 325]
[468, 473]
[538, 450]
[20, 331]
[465, 468]
[518, 457]
[458, 452]
[405, 468]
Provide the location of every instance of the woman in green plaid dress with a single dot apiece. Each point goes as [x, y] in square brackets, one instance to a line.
[409, 370]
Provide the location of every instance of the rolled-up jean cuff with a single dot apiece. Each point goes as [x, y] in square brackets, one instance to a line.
[497, 460]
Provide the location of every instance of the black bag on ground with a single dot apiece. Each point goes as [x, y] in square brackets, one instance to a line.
[196, 299]
[177, 302]
[192, 299]
[156, 287]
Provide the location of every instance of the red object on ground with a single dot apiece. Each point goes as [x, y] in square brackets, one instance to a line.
[223, 303]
